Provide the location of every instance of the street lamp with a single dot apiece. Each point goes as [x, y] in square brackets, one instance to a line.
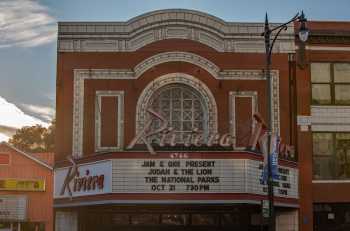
[303, 36]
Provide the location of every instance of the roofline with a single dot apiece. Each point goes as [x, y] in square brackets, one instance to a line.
[164, 11]
[328, 21]
[28, 156]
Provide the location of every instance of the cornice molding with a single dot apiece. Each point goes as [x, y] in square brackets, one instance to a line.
[168, 24]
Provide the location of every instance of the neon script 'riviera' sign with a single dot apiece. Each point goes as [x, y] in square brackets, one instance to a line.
[167, 136]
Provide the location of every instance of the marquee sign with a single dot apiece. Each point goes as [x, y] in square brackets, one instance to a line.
[199, 176]
[174, 175]
[13, 208]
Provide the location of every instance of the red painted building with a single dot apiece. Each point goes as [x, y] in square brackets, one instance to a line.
[26, 190]
[324, 93]
[156, 117]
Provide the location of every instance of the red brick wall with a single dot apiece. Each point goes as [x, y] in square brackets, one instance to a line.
[39, 203]
[133, 88]
[311, 192]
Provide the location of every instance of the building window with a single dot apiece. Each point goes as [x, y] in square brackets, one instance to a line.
[175, 219]
[109, 113]
[242, 106]
[330, 83]
[145, 219]
[182, 107]
[331, 156]
[331, 216]
[187, 103]
[205, 219]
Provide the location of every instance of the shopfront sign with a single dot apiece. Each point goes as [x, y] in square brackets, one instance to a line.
[13, 208]
[199, 176]
[22, 185]
[83, 180]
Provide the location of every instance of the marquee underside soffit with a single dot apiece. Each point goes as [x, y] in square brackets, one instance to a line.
[168, 24]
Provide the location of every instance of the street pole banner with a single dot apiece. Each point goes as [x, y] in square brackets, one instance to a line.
[273, 156]
[275, 143]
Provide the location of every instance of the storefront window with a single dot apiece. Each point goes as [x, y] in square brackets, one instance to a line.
[32, 226]
[145, 219]
[175, 219]
[5, 226]
[230, 219]
[120, 219]
[331, 155]
[204, 219]
[330, 83]
[331, 216]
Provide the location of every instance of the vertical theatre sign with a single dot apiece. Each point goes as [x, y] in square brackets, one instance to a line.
[83, 180]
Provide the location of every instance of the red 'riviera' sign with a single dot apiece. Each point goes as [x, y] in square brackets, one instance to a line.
[167, 136]
[81, 183]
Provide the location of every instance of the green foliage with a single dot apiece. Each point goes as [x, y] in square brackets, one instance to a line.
[35, 138]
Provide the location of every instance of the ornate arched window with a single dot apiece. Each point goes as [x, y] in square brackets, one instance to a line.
[183, 107]
[182, 100]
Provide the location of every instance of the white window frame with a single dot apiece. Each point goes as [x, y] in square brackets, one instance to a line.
[120, 122]
[232, 111]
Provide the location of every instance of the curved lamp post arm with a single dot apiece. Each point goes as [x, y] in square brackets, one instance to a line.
[284, 27]
[297, 16]
[279, 30]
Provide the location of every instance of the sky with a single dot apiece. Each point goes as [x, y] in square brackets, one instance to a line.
[28, 41]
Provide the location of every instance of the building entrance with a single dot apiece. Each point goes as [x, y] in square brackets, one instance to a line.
[173, 218]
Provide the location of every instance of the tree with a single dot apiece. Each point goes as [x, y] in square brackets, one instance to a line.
[35, 138]
[49, 137]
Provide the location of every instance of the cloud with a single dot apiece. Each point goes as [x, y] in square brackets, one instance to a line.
[46, 113]
[4, 137]
[12, 116]
[8, 131]
[25, 23]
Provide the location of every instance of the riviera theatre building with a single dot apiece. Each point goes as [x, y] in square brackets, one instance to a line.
[160, 122]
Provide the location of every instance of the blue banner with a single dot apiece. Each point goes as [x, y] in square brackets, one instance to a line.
[273, 159]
